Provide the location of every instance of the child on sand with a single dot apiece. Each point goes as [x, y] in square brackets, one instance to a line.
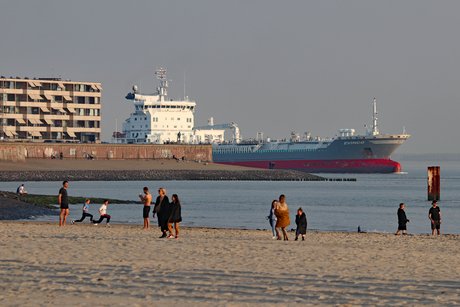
[85, 213]
[301, 221]
[102, 212]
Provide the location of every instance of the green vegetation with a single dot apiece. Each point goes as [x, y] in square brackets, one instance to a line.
[45, 200]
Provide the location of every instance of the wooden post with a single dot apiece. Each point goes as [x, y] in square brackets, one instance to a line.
[434, 183]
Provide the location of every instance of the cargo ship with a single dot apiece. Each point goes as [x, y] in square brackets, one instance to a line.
[345, 153]
[158, 119]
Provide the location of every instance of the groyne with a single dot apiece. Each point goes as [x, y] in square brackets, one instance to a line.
[12, 207]
[160, 175]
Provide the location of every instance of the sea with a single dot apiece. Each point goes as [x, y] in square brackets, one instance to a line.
[370, 203]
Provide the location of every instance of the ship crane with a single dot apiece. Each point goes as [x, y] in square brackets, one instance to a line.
[230, 126]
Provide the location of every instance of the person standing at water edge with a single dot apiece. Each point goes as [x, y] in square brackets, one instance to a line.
[103, 213]
[272, 218]
[63, 203]
[175, 216]
[282, 216]
[147, 199]
[402, 220]
[161, 205]
[435, 217]
[85, 213]
[301, 221]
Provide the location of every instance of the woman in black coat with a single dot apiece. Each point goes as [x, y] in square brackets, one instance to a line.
[161, 209]
[301, 221]
[174, 216]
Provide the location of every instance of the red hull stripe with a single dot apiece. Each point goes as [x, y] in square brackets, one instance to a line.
[335, 166]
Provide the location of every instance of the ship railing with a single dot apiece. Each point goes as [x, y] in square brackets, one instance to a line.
[248, 150]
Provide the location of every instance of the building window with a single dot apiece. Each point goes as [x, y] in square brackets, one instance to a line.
[172, 118]
[135, 118]
[178, 119]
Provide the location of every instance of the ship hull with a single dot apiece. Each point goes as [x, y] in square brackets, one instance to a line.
[381, 166]
[344, 155]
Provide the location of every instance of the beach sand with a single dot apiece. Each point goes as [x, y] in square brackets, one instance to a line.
[83, 164]
[44, 264]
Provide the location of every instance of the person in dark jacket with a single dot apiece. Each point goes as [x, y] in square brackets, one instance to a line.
[161, 208]
[301, 221]
[272, 218]
[402, 219]
[174, 216]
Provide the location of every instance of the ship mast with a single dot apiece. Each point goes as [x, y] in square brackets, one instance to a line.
[161, 75]
[375, 129]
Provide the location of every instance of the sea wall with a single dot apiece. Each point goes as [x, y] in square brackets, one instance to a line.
[12, 152]
[19, 152]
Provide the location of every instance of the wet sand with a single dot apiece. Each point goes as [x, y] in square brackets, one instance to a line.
[83, 164]
[44, 264]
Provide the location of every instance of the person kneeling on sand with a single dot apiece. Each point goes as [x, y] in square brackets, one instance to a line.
[103, 213]
[402, 220]
[175, 216]
[85, 213]
[301, 221]
[282, 215]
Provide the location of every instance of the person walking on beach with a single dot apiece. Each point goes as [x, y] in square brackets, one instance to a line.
[282, 216]
[272, 218]
[103, 213]
[435, 217]
[147, 199]
[63, 203]
[402, 220]
[161, 206]
[175, 216]
[85, 213]
[301, 221]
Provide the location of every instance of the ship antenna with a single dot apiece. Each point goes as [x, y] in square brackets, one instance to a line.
[375, 129]
[161, 75]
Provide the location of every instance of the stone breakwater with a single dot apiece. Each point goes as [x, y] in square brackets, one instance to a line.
[12, 208]
[122, 175]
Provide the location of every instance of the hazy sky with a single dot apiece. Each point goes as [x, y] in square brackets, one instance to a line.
[268, 66]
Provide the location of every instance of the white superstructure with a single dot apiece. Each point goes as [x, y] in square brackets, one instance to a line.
[157, 119]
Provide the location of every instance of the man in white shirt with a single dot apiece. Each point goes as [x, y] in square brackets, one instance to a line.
[102, 212]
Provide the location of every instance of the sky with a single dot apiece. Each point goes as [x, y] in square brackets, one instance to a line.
[268, 66]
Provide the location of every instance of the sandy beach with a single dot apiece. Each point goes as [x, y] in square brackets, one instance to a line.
[83, 164]
[43, 264]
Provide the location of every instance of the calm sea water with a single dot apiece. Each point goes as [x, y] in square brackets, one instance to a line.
[371, 202]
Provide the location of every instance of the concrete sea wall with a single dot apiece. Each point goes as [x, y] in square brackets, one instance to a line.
[19, 152]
